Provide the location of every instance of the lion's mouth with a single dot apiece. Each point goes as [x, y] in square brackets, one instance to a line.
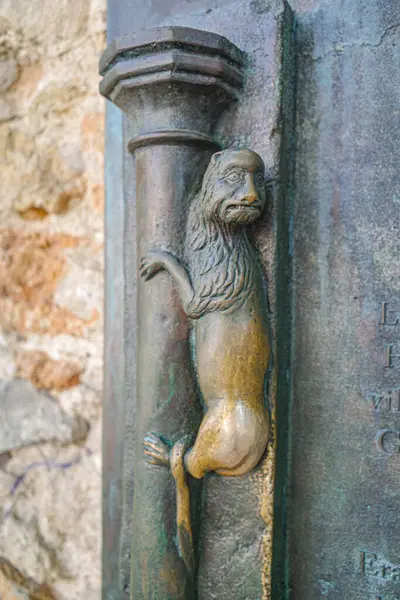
[243, 207]
[243, 210]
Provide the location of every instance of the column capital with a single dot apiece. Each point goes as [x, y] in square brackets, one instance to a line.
[172, 82]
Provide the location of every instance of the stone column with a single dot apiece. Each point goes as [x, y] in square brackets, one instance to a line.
[174, 83]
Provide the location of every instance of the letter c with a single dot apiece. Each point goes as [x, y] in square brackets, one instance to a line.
[382, 433]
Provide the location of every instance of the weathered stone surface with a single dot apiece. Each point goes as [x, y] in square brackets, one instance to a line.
[31, 268]
[44, 320]
[30, 417]
[8, 73]
[55, 177]
[81, 290]
[5, 111]
[51, 26]
[51, 246]
[31, 265]
[50, 513]
[8, 367]
[46, 373]
[15, 586]
[344, 488]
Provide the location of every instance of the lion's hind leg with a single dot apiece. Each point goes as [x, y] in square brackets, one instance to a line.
[215, 446]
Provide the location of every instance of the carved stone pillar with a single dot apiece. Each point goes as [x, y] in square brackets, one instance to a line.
[174, 83]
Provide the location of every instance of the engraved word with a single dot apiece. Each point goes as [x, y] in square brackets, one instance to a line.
[392, 356]
[385, 400]
[388, 441]
[389, 316]
[374, 566]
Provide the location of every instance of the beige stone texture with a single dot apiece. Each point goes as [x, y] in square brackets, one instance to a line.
[51, 298]
[45, 372]
[29, 417]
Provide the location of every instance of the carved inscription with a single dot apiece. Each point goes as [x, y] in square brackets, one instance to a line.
[392, 356]
[388, 441]
[389, 316]
[388, 400]
[372, 565]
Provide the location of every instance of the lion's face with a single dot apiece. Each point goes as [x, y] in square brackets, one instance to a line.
[235, 187]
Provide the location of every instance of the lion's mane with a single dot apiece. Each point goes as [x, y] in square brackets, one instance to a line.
[221, 260]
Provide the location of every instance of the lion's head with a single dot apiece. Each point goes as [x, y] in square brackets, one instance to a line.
[233, 187]
[221, 260]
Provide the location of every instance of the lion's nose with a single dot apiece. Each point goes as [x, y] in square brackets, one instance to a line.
[251, 192]
[251, 197]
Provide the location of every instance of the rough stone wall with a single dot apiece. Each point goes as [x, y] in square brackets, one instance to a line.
[51, 265]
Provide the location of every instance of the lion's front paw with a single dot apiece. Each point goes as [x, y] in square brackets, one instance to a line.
[150, 264]
[155, 450]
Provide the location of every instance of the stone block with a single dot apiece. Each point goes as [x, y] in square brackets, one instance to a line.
[30, 417]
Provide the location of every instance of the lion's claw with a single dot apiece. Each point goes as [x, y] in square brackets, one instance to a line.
[155, 450]
[149, 265]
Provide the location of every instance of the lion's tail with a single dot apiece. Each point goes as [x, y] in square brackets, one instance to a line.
[183, 520]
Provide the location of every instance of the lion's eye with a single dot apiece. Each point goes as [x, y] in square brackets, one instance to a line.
[233, 177]
[259, 180]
